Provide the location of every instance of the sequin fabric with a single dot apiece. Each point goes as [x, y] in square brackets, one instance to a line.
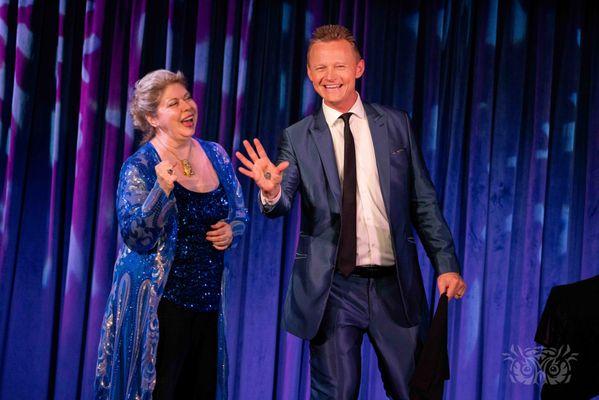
[148, 224]
[194, 280]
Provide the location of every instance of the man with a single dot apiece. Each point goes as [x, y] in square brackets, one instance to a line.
[363, 185]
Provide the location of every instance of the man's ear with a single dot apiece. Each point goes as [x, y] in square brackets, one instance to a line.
[309, 73]
[360, 67]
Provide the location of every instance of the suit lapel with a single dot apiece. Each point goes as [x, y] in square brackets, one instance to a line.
[380, 140]
[324, 144]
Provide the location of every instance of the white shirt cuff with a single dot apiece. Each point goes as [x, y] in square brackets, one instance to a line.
[267, 202]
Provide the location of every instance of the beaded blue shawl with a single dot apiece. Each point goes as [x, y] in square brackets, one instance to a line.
[126, 366]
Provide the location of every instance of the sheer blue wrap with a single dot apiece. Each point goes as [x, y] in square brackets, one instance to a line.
[148, 224]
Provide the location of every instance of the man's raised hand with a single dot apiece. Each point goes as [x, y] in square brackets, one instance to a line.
[267, 176]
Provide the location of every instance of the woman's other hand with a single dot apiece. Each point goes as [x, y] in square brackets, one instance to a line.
[221, 235]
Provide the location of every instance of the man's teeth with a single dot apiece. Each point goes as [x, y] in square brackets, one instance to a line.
[332, 86]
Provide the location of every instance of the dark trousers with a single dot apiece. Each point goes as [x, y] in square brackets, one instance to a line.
[186, 362]
[358, 306]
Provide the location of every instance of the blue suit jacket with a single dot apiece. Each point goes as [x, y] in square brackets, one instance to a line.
[409, 197]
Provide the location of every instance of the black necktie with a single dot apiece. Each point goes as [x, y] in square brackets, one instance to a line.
[346, 255]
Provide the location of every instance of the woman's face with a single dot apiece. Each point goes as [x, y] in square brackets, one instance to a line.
[176, 114]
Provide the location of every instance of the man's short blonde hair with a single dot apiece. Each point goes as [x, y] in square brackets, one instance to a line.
[329, 33]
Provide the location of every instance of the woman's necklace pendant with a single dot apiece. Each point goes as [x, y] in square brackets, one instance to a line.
[187, 170]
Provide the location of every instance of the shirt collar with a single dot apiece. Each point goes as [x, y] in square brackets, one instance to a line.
[331, 115]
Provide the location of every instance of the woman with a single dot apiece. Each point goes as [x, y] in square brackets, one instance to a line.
[179, 208]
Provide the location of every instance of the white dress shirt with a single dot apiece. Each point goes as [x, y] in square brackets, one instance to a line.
[374, 243]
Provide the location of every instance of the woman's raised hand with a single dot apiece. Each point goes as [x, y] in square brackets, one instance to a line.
[166, 176]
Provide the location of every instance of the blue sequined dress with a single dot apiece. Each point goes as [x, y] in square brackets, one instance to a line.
[126, 367]
[194, 280]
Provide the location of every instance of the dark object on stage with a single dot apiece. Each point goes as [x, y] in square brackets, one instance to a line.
[569, 331]
[432, 369]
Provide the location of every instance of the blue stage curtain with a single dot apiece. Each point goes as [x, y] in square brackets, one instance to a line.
[504, 97]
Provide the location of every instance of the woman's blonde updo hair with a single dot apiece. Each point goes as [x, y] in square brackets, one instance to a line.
[146, 98]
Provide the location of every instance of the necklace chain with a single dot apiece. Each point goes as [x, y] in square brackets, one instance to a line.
[187, 170]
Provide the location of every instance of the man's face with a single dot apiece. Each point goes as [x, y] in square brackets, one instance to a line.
[333, 68]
